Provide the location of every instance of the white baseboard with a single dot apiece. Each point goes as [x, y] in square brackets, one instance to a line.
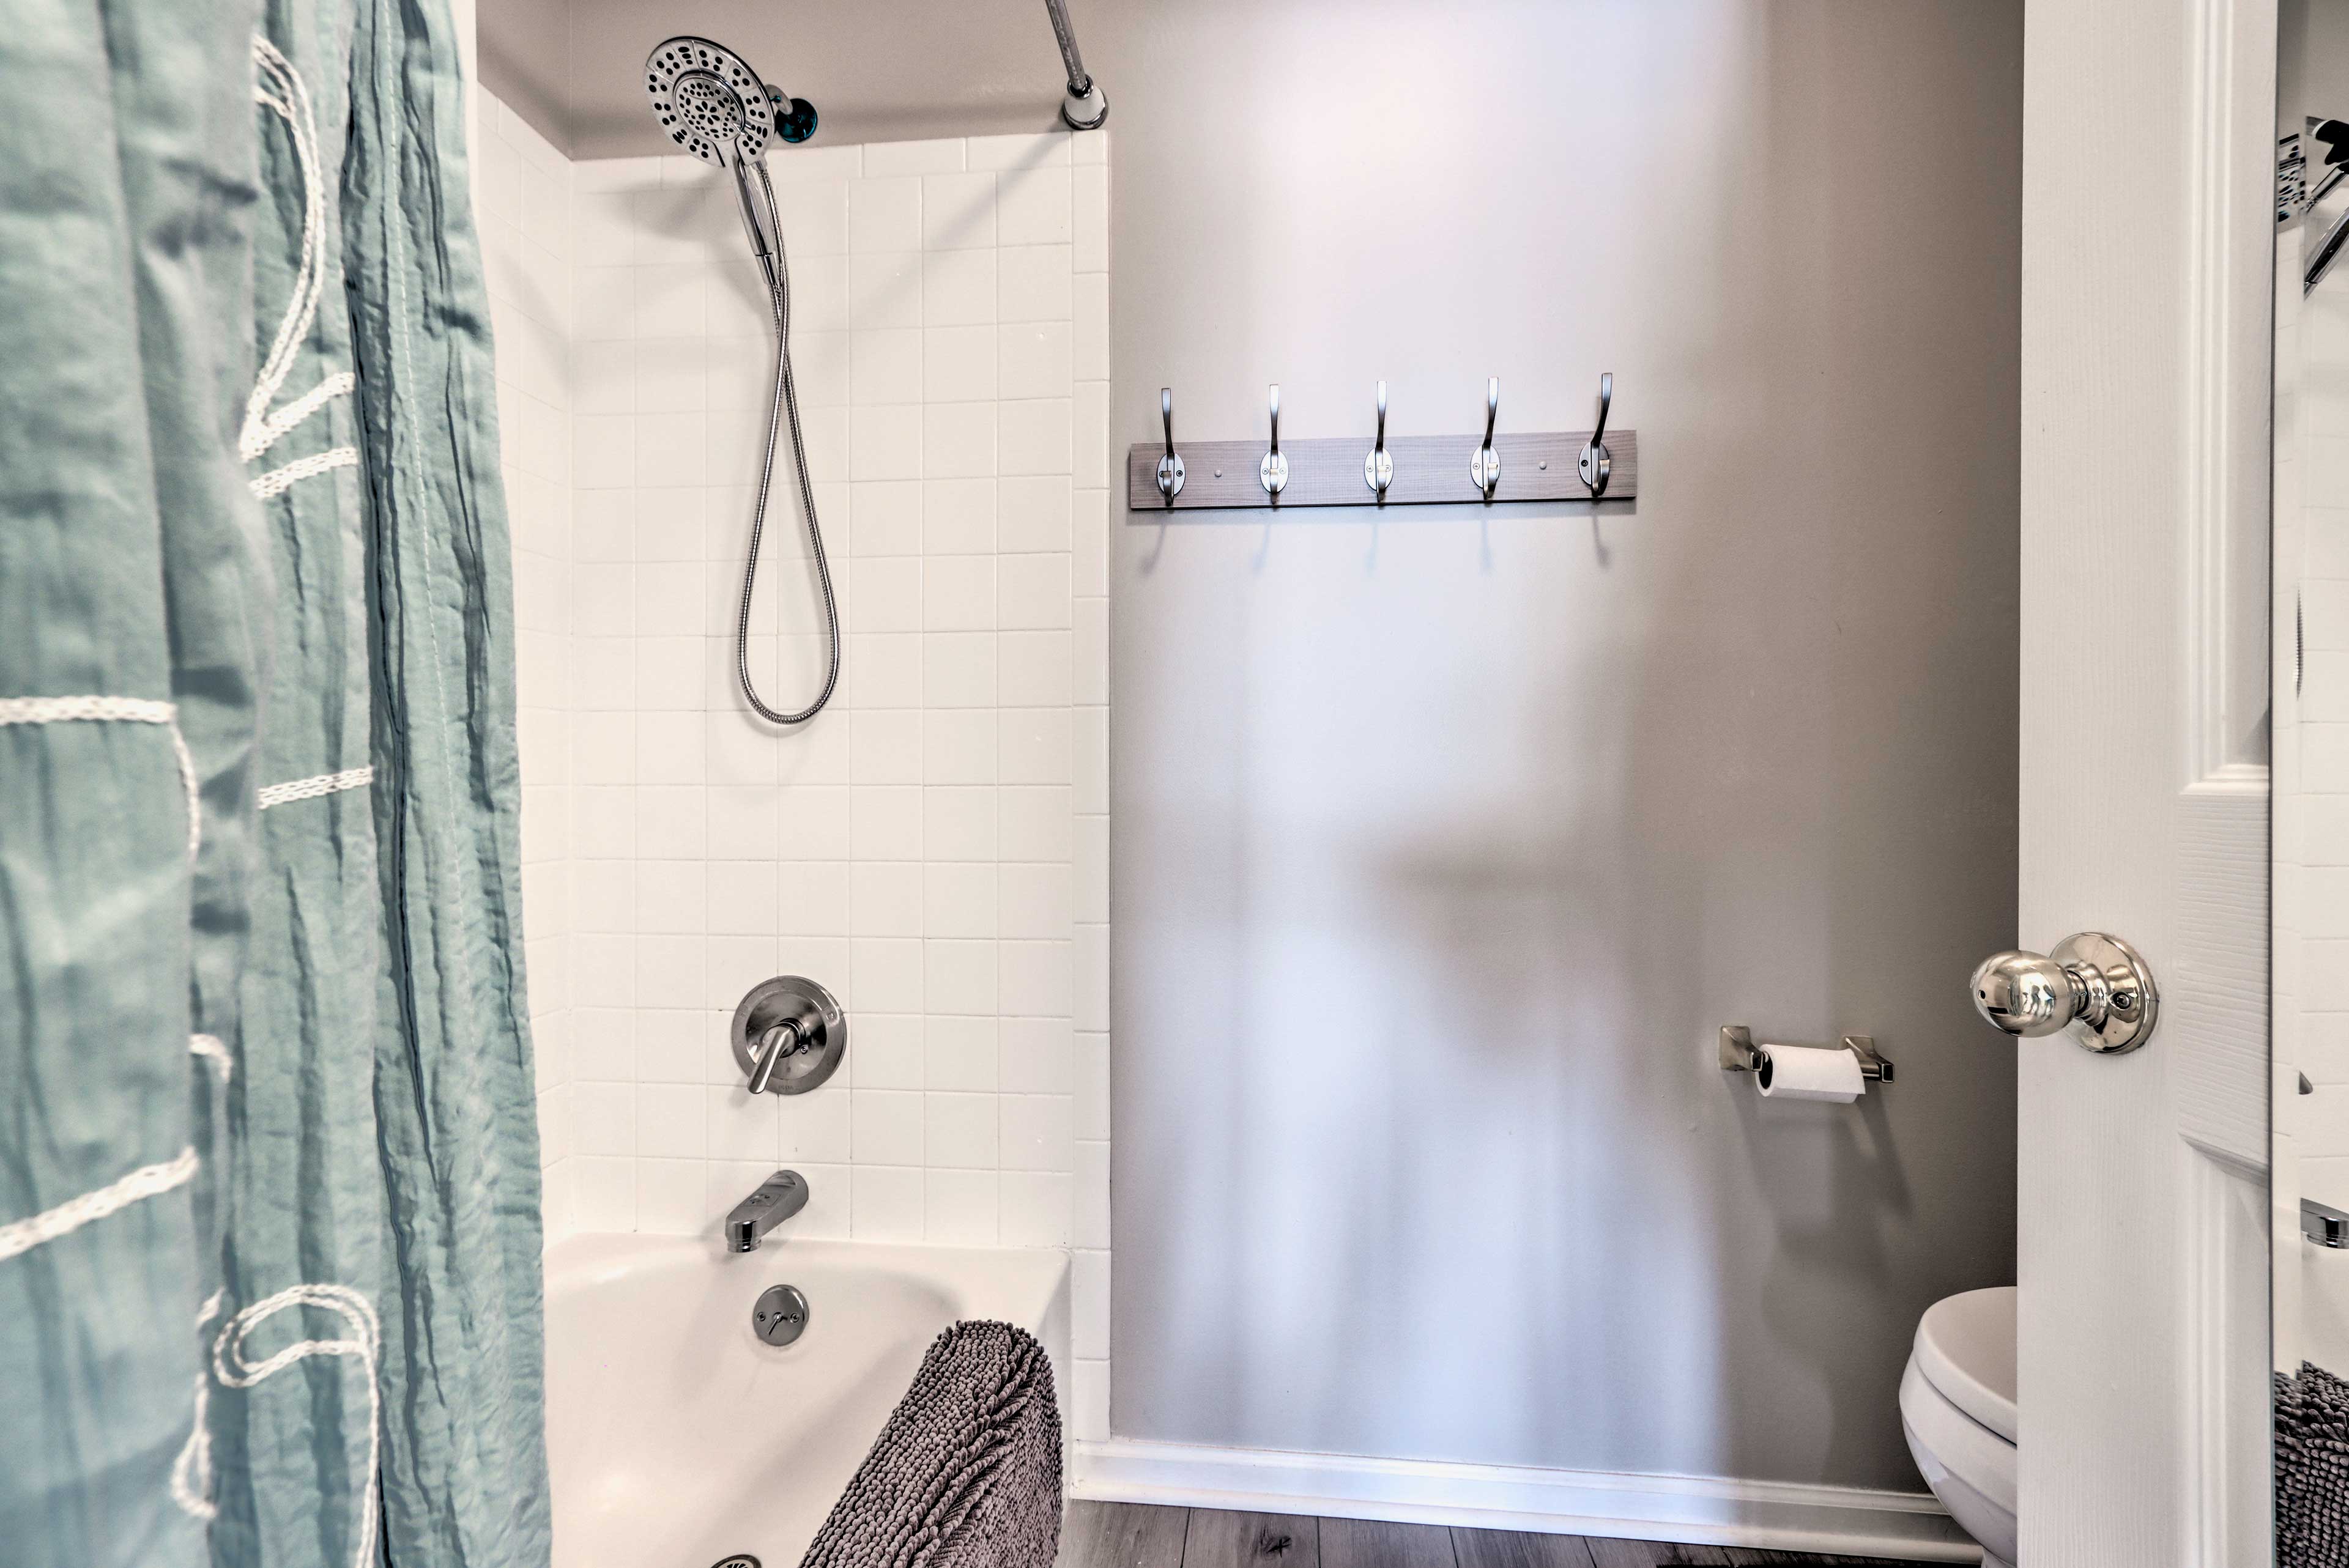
[1698, 1509]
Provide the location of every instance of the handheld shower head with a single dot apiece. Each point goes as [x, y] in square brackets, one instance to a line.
[708, 99]
[713, 104]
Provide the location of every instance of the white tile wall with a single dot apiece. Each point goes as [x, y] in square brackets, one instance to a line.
[2311, 801]
[522, 200]
[934, 846]
[2312, 952]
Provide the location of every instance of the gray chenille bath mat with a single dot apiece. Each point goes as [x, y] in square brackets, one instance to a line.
[967, 1474]
[2312, 1468]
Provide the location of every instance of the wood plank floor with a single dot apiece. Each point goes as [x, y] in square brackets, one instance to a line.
[1130, 1535]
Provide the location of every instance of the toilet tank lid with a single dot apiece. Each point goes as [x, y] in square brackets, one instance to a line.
[1965, 1349]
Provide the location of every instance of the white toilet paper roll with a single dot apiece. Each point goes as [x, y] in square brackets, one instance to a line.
[1810, 1072]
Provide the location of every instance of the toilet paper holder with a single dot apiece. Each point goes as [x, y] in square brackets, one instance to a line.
[1739, 1054]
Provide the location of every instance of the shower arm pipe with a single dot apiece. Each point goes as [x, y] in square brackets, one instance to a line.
[1085, 108]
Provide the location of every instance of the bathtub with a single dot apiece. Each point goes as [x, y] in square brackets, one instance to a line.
[676, 1438]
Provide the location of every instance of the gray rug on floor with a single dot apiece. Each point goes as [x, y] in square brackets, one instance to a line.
[967, 1474]
[2312, 1466]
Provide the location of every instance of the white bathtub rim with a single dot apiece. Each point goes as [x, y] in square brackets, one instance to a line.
[1025, 1286]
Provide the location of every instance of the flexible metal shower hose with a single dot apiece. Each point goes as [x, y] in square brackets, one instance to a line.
[784, 404]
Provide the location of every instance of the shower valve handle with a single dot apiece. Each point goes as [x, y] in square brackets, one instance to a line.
[788, 1035]
[782, 1040]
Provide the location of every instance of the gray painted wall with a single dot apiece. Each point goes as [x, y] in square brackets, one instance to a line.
[1444, 843]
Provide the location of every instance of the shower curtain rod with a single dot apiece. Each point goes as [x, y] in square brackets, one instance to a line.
[1085, 108]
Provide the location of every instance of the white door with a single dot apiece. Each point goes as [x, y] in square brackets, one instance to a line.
[2148, 178]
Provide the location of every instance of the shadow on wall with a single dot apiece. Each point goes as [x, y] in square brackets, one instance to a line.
[1445, 841]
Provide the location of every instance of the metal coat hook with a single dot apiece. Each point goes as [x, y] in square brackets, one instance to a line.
[1273, 469]
[1170, 467]
[1378, 469]
[1597, 462]
[1484, 467]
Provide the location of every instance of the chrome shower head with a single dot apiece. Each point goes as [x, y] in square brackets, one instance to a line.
[708, 99]
[713, 104]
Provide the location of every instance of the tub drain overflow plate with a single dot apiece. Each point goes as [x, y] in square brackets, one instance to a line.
[779, 1317]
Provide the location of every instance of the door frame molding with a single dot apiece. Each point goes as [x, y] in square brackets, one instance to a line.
[2229, 340]
[2221, 1024]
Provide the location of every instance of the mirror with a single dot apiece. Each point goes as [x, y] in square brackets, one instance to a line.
[2310, 703]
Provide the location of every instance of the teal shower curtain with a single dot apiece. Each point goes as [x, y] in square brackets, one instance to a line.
[269, 1233]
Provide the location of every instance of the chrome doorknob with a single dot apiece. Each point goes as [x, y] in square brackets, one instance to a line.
[2092, 983]
[2027, 994]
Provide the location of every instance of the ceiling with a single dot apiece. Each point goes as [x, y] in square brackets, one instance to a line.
[876, 71]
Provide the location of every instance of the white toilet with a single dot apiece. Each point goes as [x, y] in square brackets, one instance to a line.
[1957, 1405]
